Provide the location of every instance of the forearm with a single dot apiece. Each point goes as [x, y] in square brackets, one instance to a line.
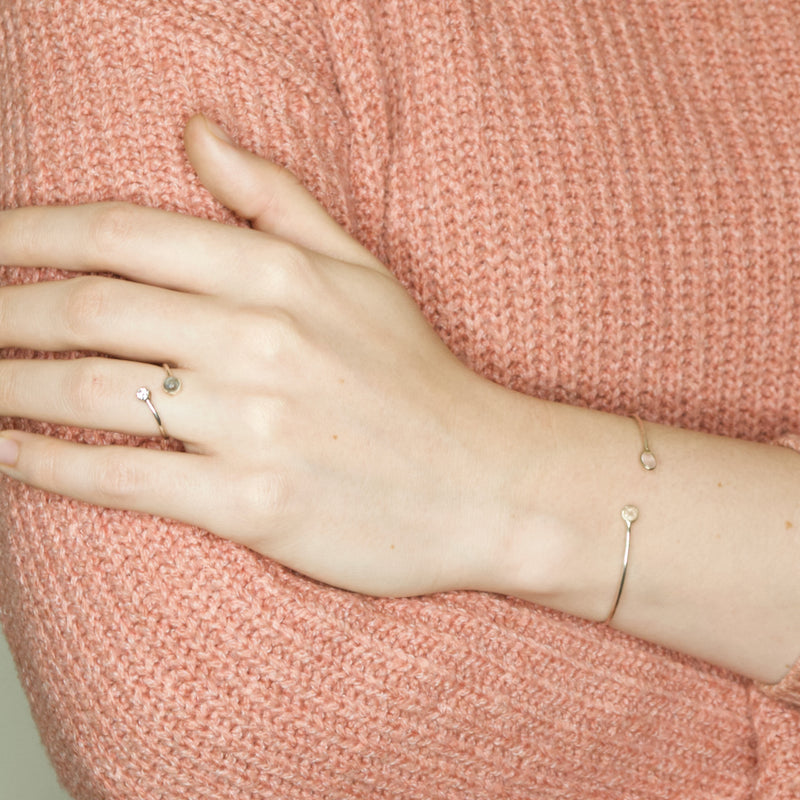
[714, 553]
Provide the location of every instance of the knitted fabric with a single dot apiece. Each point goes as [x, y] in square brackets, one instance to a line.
[596, 202]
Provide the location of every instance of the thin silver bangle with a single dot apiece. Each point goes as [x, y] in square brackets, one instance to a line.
[646, 458]
[630, 513]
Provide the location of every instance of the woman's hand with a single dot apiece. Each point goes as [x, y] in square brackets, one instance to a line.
[325, 423]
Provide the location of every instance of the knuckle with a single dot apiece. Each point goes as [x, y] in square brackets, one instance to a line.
[116, 478]
[87, 389]
[266, 338]
[246, 259]
[276, 270]
[85, 304]
[292, 271]
[255, 417]
[264, 494]
[262, 418]
[108, 225]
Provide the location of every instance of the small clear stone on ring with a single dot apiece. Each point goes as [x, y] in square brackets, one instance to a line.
[143, 393]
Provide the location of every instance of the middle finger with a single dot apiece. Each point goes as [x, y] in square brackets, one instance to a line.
[113, 316]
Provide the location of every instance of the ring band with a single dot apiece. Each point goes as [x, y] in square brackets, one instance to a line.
[143, 394]
[172, 383]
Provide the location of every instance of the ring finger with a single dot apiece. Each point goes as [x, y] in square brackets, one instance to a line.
[101, 393]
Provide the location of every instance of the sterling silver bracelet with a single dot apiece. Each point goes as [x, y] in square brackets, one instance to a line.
[630, 513]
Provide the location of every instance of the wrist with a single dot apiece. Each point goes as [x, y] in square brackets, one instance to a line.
[563, 539]
[712, 569]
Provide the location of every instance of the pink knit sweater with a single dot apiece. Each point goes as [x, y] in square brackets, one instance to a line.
[596, 202]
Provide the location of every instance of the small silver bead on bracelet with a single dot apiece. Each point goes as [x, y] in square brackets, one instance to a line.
[630, 514]
[646, 457]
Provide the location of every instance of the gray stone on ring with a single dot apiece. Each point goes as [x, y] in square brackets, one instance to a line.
[172, 384]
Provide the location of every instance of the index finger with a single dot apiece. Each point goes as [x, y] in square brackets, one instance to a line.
[148, 245]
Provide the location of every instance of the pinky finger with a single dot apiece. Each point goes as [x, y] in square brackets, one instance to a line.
[165, 483]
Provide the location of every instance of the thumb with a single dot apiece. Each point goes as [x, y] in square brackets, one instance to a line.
[266, 194]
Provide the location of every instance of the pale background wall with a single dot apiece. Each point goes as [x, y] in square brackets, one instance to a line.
[25, 772]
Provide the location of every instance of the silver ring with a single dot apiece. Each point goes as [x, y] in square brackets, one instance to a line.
[172, 383]
[143, 394]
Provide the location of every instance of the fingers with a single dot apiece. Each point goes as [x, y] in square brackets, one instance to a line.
[209, 416]
[179, 486]
[294, 236]
[150, 246]
[112, 316]
[181, 252]
[100, 393]
[268, 195]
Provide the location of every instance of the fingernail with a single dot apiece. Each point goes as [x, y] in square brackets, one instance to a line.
[9, 452]
[215, 130]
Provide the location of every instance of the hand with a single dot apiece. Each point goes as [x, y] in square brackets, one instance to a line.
[324, 422]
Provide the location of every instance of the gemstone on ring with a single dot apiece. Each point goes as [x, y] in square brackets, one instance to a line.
[143, 394]
[172, 383]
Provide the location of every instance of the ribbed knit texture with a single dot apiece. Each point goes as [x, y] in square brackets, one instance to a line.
[594, 201]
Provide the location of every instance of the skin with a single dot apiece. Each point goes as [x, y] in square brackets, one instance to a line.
[327, 426]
